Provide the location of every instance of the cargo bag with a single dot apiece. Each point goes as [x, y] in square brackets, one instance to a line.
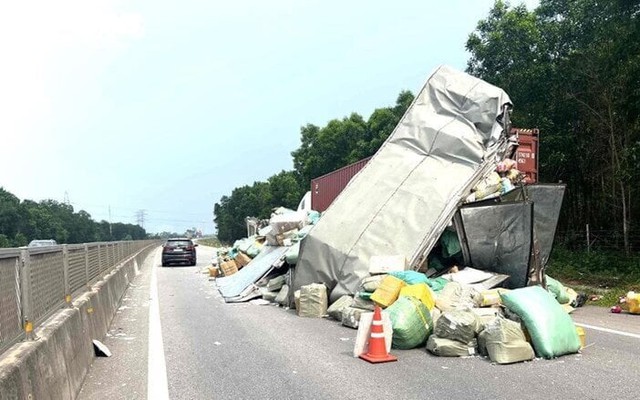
[335, 310]
[552, 330]
[351, 316]
[503, 341]
[371, 283]
[462, 326]
[313, 300]
[443, 347]
[421, 292]
[456, 296]
[388, 291]
[283, 296]
[411, 323]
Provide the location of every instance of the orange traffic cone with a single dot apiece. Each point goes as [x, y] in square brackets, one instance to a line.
[377, 352]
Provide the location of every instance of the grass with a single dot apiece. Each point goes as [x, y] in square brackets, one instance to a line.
[210, 241]
[607, 274]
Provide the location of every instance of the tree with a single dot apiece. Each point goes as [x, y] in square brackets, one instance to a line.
[9, 215]
[285, 190]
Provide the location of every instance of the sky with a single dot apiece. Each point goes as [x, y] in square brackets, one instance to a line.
[124, 105]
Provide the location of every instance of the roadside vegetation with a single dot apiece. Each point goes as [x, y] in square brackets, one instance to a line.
[605, 275]
[26, 220]
[211, 241]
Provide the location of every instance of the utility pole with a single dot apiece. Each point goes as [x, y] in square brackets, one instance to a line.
[110, 230]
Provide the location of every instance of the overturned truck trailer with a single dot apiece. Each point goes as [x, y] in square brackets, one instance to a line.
[400, 202]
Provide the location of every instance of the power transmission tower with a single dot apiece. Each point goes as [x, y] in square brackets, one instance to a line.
[140, 216]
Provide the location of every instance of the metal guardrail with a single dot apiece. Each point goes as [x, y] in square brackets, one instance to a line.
[37, 282]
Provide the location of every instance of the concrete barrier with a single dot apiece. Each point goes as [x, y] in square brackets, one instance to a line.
[55, 364]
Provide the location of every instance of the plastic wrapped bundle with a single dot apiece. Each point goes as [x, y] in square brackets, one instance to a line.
[287, 222]
[291, 256]
[371, 283]
[283, 296]
[388, 291]
[276, 283]
[313, 300]
[552, 330]
[460, 325]
[558, 290]
[443, 347]
[361, 302]
[335, 310]
[455, 296]
[351, 316]
[504, 342]
[411, 323]
[633, 302]
[410, 277]
[421, 292]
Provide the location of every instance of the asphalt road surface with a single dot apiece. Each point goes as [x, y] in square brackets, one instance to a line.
[174, 337]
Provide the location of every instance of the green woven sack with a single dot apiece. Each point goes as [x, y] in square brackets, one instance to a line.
[411, 322]
[552, 330]
[558, 290]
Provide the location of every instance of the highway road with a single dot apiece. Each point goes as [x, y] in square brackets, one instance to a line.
[174, 337]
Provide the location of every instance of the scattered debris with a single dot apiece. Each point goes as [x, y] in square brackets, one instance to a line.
[458, 265]
[100, 349]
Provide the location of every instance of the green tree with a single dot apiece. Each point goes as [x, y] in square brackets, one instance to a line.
[285, 190]
[9, 214]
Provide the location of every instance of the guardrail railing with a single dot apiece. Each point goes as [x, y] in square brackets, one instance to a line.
[37, 282]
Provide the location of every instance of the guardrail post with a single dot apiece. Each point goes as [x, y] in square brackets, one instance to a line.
[25, 300]
[65, 274]
[86, 264]
[100, 261]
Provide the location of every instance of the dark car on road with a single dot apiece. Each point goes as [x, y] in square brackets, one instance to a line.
[179, 250]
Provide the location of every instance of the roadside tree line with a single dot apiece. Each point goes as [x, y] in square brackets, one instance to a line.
[26, 220]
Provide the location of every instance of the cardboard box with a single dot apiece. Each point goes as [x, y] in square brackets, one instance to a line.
[385, 264]
[242, 260]
[229, 268]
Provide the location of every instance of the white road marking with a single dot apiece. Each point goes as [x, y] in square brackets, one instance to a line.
[615, 332]
[157, 386]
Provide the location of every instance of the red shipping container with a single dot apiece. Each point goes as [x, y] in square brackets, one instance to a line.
[527, 154]
[326, 188]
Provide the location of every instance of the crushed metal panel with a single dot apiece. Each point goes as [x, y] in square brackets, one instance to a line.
[547, 200]
[234, 285]
[401, 201]
[499, 238]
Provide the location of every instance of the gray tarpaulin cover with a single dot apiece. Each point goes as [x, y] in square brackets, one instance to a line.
[234, 285]
[547, 202]
[401, 201]
[499, 239]
[498, 236]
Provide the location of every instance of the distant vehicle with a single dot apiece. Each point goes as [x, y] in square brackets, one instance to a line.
[42, 243]
[179, 250]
